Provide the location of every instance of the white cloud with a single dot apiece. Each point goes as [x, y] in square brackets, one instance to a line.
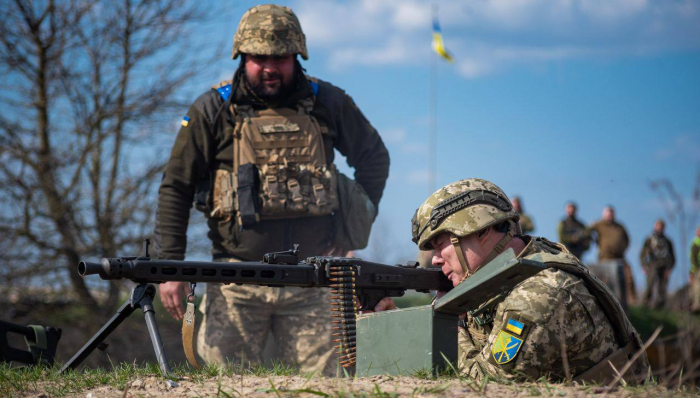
[487, 36]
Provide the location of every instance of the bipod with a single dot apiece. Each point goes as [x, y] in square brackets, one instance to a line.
[141, 297]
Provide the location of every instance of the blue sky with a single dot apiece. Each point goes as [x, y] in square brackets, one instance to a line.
[552, 100]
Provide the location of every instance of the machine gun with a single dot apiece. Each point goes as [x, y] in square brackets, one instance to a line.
[346, 277]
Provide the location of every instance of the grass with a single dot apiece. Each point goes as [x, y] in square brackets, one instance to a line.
[22, 380]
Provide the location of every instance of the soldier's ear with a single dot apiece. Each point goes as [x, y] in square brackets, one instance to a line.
[483, 233]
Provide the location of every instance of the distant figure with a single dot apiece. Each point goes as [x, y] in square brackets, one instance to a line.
[573, 233]
[657, 261]
[694, 278]
[612, 240]
[526, 223]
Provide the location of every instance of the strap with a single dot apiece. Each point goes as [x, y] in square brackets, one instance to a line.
[289, 158]
[500, 246]
[460, 256]
[279, 144]
[188, 335]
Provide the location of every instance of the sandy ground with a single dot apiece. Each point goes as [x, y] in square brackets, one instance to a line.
[320, 386]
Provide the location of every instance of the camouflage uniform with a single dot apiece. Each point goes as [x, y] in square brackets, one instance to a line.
[574, 235]
[238, 318]
[563, 321]
[657, 259]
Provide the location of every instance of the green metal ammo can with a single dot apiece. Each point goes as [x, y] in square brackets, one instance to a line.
[419, 339]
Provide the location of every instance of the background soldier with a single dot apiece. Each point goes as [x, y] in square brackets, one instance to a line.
[526, 223]
[573, 233]
[258, 151]
[695, 271]
[612, 240]
[558, 313]
[657, 261]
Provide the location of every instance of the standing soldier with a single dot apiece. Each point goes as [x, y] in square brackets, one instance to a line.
[612, 240]
[694, 278]
[526, 223]
[256, 155]
[657, 261]
[573, 233]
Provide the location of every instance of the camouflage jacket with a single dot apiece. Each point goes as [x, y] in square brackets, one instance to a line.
[574, 235]
[547, 324]
[657, 252]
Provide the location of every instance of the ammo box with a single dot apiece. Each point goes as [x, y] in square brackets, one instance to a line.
[419, 339]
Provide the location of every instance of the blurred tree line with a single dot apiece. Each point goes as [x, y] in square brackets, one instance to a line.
[85, 88]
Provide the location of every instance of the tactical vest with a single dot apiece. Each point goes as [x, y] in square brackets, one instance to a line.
[625, 334]
[279, 167]
[660, 250]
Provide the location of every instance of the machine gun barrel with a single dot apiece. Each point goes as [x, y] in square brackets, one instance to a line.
[145, 270]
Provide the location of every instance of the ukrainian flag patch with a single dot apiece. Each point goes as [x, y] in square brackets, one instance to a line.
[506, 347]
[515, 326]
[185, 121]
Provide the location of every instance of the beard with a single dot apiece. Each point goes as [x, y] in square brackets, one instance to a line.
[270, 93]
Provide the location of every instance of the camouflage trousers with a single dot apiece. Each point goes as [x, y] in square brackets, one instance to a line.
[238, 319]
[657, 283]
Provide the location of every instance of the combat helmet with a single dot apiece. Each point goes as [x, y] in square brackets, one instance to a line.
[269, 30]
[463, 208]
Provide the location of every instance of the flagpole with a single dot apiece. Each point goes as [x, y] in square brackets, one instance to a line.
[432, 120]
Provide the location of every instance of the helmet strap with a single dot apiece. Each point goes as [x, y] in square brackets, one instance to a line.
[501, 245]
[460, 256]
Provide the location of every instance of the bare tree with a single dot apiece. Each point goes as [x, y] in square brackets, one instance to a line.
[85, 87]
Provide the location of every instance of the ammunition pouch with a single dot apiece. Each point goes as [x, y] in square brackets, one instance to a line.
[248, 200]
[202, 194]
[352, 223]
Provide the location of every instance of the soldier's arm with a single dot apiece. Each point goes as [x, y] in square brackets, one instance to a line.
[364, 149]
[189, 158]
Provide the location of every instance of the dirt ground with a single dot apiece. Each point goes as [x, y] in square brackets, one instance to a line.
[376, 386]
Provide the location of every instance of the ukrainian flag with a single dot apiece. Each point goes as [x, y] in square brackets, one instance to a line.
[515, 326]
[438, 43]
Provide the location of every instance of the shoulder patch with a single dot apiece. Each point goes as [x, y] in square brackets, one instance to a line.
[506, 347]
[224, 91]
[186, 121]
[314, 87]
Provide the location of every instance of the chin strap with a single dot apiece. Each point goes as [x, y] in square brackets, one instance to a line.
[498, 249]
[460, 256]
[501, 245]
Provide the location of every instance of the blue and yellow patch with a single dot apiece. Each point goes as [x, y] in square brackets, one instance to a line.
[515, 326]
[185, 121]
[506, 347]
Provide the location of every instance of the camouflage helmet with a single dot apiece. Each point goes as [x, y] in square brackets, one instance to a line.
[461, 208]
[269, 30]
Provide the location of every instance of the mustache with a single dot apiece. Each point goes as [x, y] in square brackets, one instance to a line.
[271, 75]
